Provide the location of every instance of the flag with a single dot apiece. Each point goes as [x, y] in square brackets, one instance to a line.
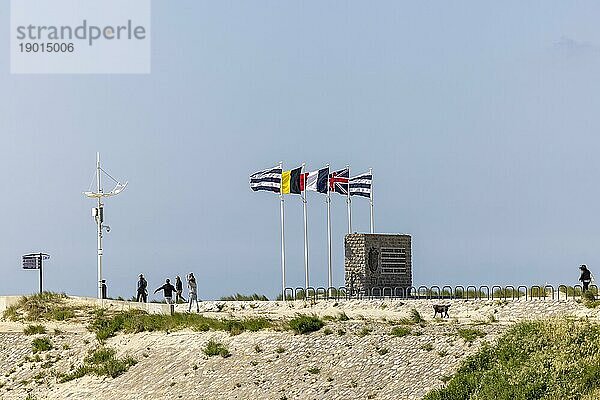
[290, 181]
[268, 179]
[361, 185]
[316, 181]
[338, 181]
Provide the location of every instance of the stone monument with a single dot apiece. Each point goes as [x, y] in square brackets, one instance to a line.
[377, 261]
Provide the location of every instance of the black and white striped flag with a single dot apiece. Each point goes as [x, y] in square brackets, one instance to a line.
[268, 179]
[361, 185]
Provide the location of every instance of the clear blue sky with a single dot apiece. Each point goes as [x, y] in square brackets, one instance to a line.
[480, 120]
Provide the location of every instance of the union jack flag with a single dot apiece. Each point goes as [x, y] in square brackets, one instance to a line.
[338, 181]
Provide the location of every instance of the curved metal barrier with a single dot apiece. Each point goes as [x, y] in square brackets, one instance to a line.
[400, 290]
[487, 291]
[526, 291]
[474, 291]
[301, 291]
[449, 291]
[538, 291]
[499, 291]
[390, 291]
[546, 287]
[290, 296]
[456, 292]
[471, 292]
[512, 292]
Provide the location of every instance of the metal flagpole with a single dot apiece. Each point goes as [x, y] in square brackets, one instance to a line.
[371, 201]
[328, 201]
[349, 201]
[99, 223]
[282, 241]
[303, 192]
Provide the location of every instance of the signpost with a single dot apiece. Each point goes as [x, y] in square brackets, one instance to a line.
[35, 261]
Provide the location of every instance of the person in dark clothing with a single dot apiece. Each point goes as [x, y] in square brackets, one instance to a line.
[142, 292]
[585, 277]
[179, 290]
[168, 290]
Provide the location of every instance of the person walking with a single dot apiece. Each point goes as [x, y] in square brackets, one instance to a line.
[179, 290]
[168, 290]
[142, 292]
[585, 277]
[192, 292]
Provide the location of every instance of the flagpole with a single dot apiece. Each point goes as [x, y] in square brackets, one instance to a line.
[349, 201]
[371, 201]
[328, 201]
[282, 242]
[303, 186]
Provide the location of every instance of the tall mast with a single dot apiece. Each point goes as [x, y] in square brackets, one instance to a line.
[98, 211]
[99, 220]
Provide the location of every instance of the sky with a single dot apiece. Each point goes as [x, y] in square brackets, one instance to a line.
[480, 121]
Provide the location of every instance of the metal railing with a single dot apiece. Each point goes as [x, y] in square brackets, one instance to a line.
[458, 292]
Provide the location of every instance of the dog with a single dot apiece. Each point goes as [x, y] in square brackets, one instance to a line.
[442, 309]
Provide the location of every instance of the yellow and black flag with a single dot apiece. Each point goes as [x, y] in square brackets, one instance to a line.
[291, 182]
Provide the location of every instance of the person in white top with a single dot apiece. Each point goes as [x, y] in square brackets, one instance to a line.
[193, 292]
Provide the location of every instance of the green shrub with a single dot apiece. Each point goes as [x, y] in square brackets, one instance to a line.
[364, 331]
[400, 331]
[554, 359]
[40, 306]
[213, 348]
[41, 344]
[415, 316]
[469, 334]
[135, 321]
[305, 324]
[507, 293]
[588, 295]
[34, 329]
[244, 297]
[102, 362]
[314, 370]
[343, 317]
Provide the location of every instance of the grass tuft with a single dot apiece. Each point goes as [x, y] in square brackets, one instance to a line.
[245, 297]
[415, 316]
[101, 362]
[305, 324]
[34, 330]
[469, 334]
[41, 344]
[400, 331]
[135, 321]
[213, 348]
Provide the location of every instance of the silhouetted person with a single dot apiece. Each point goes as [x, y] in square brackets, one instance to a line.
[168, 290]
[103, 289]
[192, 291]
[179, 290]
[142, 292]
[585, 277]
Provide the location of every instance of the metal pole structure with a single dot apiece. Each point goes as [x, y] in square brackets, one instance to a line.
[99, 223]
[282, 243]
[371, 201]
[303, 192]
[328, 201]
[349, 201]
[41, 273]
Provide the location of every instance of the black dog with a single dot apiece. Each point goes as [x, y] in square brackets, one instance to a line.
[442, 309]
